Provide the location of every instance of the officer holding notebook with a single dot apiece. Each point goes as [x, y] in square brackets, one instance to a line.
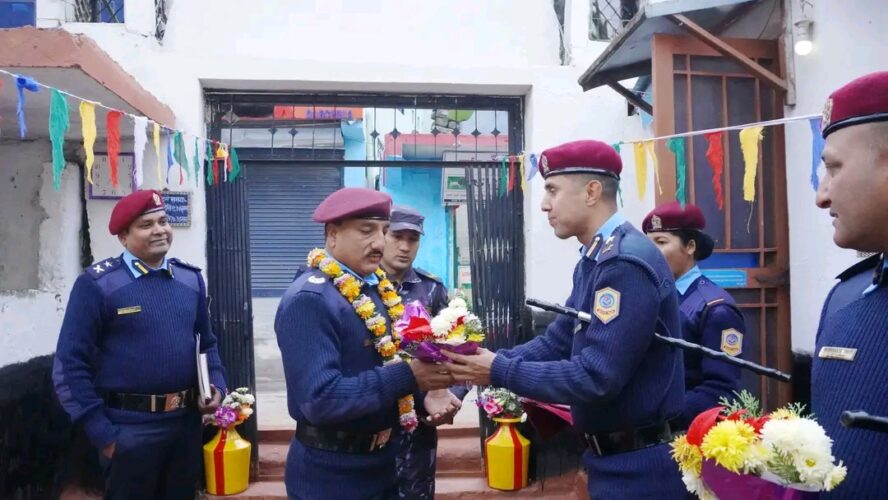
[125, 367]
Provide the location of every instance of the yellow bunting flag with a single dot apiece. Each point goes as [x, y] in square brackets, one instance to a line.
[88, 129]
[156, 137]
[750, 138]
[641, 168]
[649, 145]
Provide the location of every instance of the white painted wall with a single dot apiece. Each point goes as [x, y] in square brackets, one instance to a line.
[30, 319]
[837, 59]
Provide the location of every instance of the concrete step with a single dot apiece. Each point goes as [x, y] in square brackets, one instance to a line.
[272, 461]
[261, 490]
[460, 455]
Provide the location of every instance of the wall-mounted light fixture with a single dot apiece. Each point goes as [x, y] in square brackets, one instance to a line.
[803, 43]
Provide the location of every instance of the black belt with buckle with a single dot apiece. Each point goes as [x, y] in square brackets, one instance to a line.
[342, 441]
[611, 443]
[151, 403]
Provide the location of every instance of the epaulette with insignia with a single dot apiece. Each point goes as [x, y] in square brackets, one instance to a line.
[182, 263]
[610, 247]
[312, 280]
[426, 274]
[860, 267]
[101, 268]
[711, 293]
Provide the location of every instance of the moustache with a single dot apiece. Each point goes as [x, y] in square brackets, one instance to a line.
[374, 255]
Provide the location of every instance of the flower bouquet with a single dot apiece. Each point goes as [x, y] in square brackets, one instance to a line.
[235, 408]
[500, 403]
[454, 329]
[734, 451]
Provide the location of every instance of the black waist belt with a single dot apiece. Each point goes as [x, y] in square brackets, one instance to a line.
[342, 441]
[151, 403]
[611, 443]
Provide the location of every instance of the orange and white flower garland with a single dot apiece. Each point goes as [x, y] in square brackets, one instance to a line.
[388, 346]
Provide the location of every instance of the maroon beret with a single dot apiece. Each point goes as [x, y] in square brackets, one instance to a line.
[671, 217]
[863, 100]
[581, 157]
[133, 206]
[354, 203]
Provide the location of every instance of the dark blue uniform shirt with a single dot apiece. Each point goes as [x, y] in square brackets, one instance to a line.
[612, 372]
[710, 318]
[856, 378]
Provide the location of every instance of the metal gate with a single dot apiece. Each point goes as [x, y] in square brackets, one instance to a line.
[496, 222]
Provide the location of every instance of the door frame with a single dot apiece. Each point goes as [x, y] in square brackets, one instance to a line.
[664, 47]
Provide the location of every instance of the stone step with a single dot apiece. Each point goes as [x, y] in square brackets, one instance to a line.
[272, 460]
[461, 455]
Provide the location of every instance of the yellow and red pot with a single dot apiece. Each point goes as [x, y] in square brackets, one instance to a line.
[506, 456]
[227, 463]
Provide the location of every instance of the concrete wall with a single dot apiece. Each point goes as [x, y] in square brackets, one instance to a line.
[837, 59]
[22, 213]
[30, 318]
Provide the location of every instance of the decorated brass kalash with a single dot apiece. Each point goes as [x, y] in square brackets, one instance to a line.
[680, 343]
[227, 455]
[506, 451]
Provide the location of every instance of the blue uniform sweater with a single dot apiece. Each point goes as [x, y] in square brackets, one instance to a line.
[709, 314]
[129, 335]
[336, 381]
[614, 375]
[852, 320]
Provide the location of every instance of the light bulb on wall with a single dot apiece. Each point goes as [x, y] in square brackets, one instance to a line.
[803, 43]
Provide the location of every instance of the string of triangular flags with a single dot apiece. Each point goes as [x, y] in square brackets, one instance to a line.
[750, 137]
[206, 152]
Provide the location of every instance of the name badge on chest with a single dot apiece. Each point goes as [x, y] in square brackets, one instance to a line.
[839, 353]
[129, 310]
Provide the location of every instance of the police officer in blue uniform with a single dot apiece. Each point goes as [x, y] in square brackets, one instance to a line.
[626, 391]
[344, 399]
[710, 316]
[848, 370]
[125, 367]
[416, 461]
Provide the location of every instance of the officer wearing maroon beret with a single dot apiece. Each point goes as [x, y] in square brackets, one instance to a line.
[125, 365]
[345, 389]
[848, 371]
[710, 316]
[626, 391]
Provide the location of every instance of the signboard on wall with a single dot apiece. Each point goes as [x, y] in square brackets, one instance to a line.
[453, 185]
[178, 207]
[101, 188]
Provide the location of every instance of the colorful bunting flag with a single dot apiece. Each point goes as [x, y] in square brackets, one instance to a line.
[235, 165]
[196, 160]
[817, 144]
[534, 168]
[113, 122]
[23, 83]
[88, 130]
[181, 157]
[211, 170]
[677, 146]
[649, 145]
[58, 125]
[616, 147]
[156, 140]
[641, 164]
[715, 153]
[169, 150]
[750, 138]
[140, 140]
[511, 182]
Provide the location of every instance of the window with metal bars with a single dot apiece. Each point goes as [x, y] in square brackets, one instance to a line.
[607, 17]
[99, 11]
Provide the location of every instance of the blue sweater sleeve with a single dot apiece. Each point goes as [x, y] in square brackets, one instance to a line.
[75, 361]
[719, 378]
[310, 348]
[208, 342]
[611, 352]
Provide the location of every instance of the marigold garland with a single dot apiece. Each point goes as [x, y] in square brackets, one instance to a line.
[388, 346]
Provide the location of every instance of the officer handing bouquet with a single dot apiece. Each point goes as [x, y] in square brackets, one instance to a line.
[734, 451]
[454, 329]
